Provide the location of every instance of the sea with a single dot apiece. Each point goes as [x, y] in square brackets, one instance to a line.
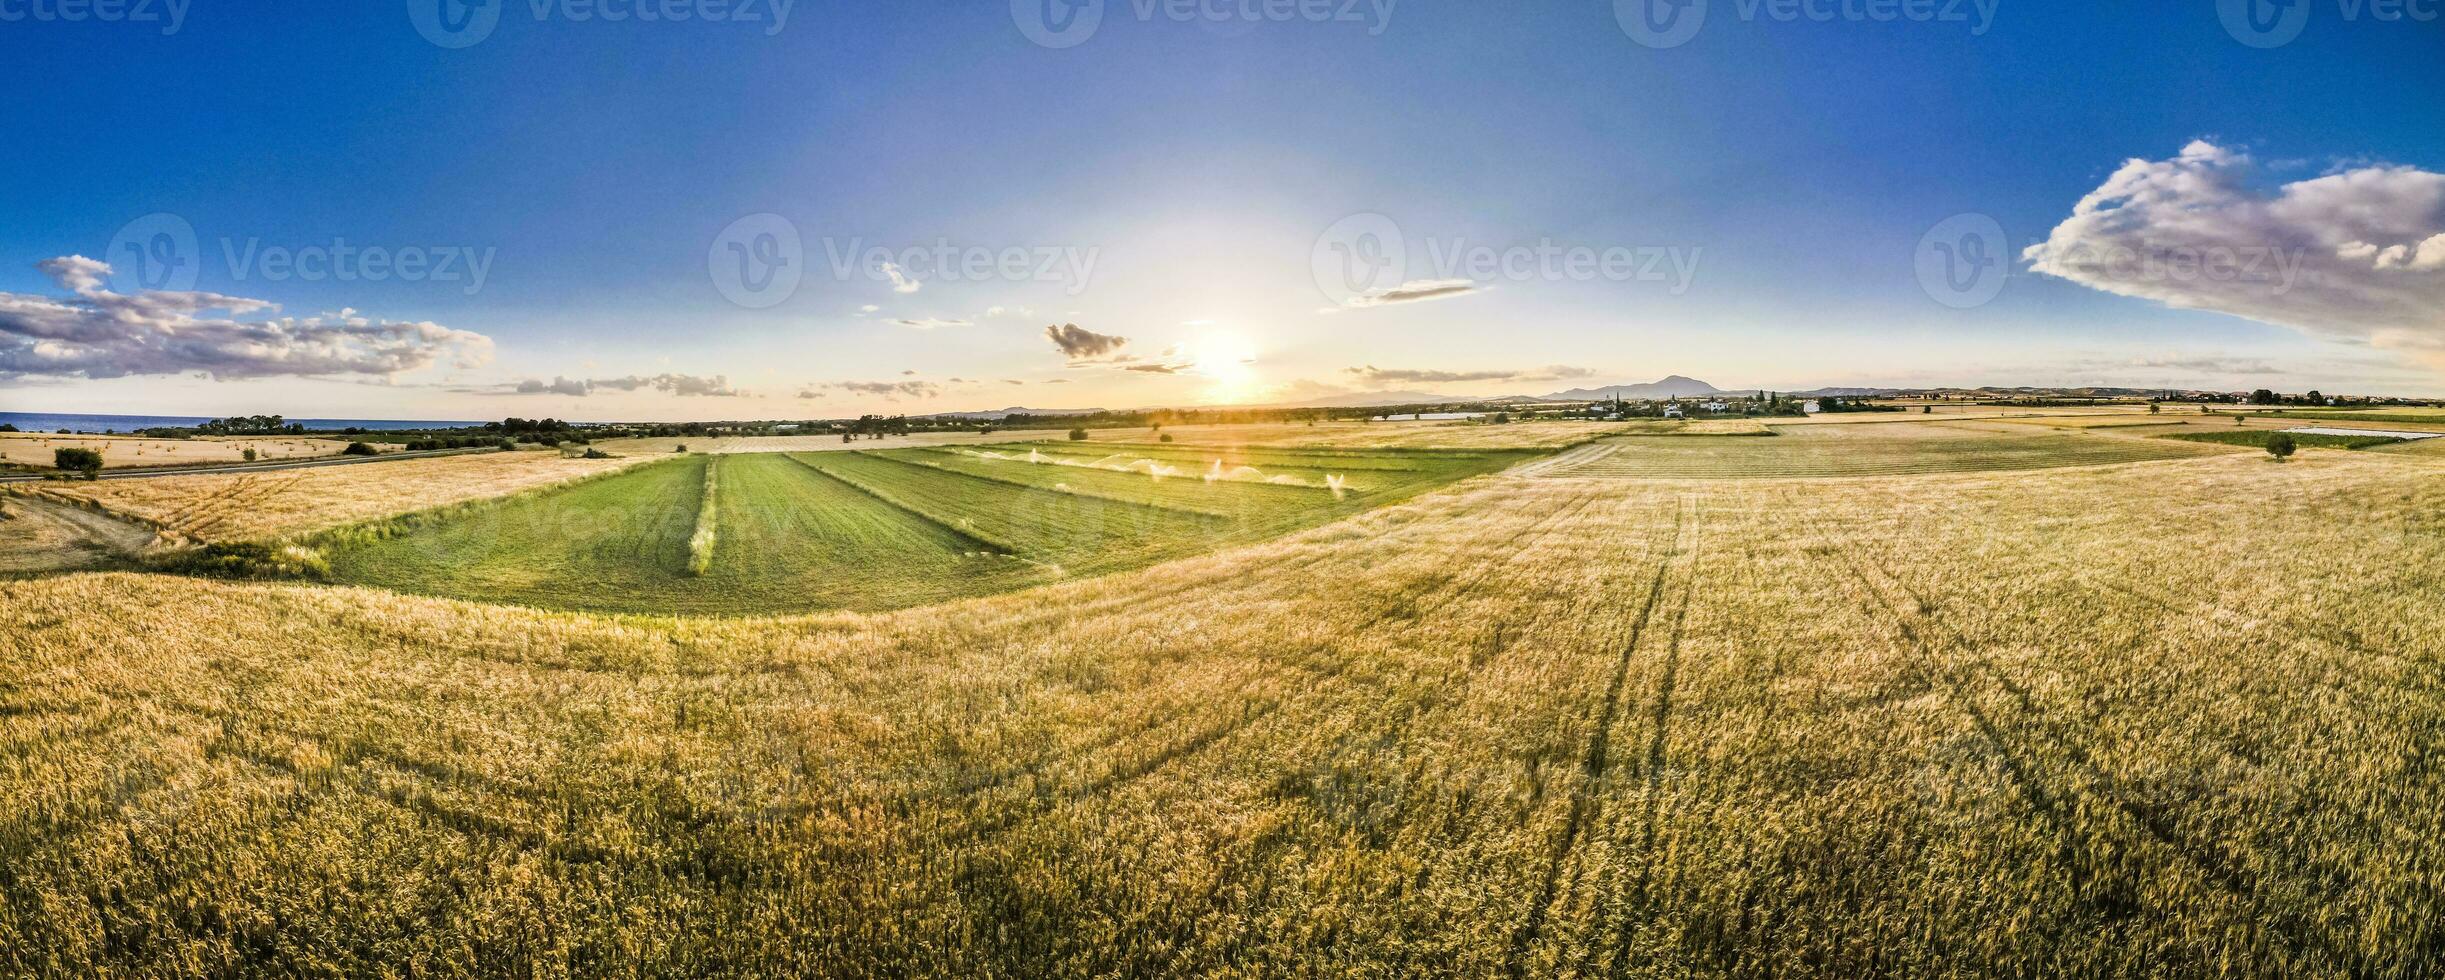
[98, 424]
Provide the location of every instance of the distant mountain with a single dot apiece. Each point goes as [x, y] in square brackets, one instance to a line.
[1015, 410]
[1675, 386]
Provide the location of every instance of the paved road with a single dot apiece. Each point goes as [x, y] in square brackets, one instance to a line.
[295, 464]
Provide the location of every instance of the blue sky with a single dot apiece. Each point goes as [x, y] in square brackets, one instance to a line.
[1769, 185]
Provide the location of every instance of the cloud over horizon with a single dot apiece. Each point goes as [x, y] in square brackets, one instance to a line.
[887, 390]
[1376, 377]
[2355, 256]
[98, 334]
[685, 385]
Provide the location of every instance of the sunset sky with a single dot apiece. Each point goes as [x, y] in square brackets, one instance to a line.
[844, 208]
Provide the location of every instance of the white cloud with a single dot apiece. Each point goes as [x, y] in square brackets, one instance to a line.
[2356, 256]
[96, 333]
[929, 323]
[1416, 291]
[684, 385]
[900, 282]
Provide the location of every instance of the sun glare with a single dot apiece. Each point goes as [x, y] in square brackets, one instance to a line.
[1228, 362]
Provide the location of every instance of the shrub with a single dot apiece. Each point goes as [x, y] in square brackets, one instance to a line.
[1078, 435]
[593, 453]
[681, 448]
[245, 560]
[86, 462]
[248, 455]
[7, 427]
[1167, 437]
[2281, 445]
[358, 449]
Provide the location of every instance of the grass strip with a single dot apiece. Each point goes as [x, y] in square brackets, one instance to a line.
[952, 525]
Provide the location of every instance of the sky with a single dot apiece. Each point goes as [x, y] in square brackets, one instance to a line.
[779, 209]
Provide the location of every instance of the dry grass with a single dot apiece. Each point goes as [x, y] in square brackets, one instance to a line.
[34, 449]
[235, 507]
[1966, 725]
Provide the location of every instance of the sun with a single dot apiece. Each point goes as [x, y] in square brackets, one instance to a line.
[1226, 360]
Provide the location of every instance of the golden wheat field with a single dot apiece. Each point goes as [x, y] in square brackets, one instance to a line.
[239, 506]
[2174, 718]
[1388, 435]
[35, 449]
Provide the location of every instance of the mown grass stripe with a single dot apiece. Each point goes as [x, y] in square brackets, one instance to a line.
[966, 534]
[1072, 491]
[1141, 505]
[708, 525]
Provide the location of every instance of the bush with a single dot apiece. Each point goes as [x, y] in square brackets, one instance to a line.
[593, 453]
[248, 455]
[2281, 445]
[248, 560]
[86, 462]
[358, 449]
[6, 427]
[1078, 435]
[1167, 437]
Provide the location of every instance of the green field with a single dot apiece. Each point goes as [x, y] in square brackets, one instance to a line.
[1834, 450]
[2308, 440]
[856, 530]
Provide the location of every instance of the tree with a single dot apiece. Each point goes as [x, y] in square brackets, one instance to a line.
[2280, 445]
[1078, 435]
[2315, 397]
[247, 455]
[2264, 397]
[85, 462]
[6, 427]
[2154, 408]
[358, 449]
